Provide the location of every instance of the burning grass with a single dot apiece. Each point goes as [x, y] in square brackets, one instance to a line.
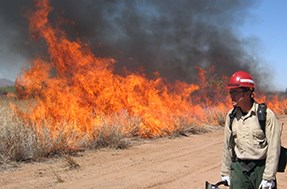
[22, 141]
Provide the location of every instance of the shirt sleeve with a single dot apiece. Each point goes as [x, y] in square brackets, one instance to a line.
[273, 137]
[226, 156]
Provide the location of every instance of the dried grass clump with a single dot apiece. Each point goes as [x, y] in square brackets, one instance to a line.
[25, 142]
[115, 131]
[17, 142]
[220, 118]
[109, 136]
[207, 121]
[184, 127]
[216, 116]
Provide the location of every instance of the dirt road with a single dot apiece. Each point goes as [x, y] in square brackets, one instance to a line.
[184, 162]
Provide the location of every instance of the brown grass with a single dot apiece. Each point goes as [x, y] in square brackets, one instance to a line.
[23, 142]
[17, 142]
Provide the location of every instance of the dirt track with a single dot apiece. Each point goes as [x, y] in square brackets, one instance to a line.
[185, 162]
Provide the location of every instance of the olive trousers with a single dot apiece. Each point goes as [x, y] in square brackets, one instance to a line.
[244, 177]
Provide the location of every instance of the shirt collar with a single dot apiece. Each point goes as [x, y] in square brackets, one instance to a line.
[251, 112]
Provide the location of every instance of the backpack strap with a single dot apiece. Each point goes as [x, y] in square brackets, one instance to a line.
[231, 117]
[231, 139]
[261, 114]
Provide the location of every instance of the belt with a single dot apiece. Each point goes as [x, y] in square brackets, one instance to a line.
[248, 165]
[256, 161]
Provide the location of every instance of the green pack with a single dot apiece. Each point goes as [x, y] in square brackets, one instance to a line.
[261, 114]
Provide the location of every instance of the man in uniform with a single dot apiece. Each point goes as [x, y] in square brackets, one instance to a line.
[250, 155]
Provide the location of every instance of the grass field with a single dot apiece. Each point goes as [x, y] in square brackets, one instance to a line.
[25, 141]
[22, 141]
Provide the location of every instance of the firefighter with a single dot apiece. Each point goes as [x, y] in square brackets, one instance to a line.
[250, 155]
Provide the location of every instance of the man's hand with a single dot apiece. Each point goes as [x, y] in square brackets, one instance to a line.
[227, 179]
[267, 184]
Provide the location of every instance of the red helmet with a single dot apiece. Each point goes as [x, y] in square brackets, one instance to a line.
[240, 79]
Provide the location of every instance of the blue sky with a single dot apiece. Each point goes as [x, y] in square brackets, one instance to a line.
[268, 23]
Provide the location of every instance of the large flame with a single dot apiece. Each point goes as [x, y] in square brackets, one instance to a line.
[74, 90]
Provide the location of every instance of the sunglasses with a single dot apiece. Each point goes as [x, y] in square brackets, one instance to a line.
[235, 93]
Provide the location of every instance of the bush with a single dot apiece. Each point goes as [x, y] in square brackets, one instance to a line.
[7, 89]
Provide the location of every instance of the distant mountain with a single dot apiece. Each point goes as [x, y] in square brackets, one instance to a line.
[6, 82]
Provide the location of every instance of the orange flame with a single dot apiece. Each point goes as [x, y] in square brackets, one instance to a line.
[74, 90]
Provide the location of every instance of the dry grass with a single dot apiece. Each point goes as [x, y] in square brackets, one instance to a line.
[183, 127]
[24, 142]
[110, 135]
[17, 142]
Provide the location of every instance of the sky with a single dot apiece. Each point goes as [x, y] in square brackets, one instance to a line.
[264, 24]
[268, 23]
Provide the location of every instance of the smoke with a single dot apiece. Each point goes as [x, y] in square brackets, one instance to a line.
[15, 49]
[165, 36]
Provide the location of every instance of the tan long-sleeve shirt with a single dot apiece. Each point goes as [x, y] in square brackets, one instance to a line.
[250, 141]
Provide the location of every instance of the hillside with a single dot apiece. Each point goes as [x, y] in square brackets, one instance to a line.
[5, 82]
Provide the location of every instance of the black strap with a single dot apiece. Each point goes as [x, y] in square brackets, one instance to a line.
[231, 138]
[261, 113]
[231, 117]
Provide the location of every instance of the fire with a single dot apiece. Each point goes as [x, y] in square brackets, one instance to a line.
[76, 92]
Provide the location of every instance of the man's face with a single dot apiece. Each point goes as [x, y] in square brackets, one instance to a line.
[239, 96]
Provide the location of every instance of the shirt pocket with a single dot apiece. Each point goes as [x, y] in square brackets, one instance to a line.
[259, 139]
